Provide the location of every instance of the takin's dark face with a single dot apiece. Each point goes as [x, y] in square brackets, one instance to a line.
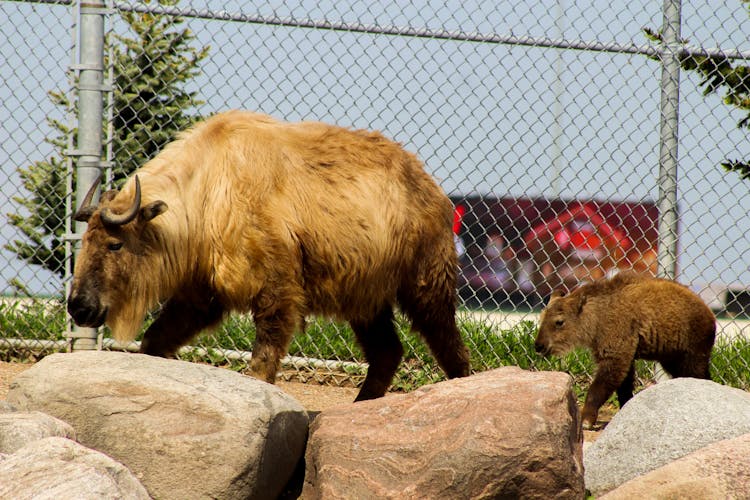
[101, 273]
[558, 332]
[109, 253]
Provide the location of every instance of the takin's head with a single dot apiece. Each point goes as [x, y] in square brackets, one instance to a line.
[114, 255]
[559, 324]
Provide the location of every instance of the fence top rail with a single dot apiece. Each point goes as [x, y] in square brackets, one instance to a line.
[408, 31]
[441, 34]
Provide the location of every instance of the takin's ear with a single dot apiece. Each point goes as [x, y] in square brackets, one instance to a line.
[108, 196]
[152, 210]
[557, 294]
[582, 298]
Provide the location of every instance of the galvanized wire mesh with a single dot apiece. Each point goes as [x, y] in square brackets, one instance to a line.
[544, 125]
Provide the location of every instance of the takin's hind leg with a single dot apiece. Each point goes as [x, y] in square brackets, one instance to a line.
[433, 315]
[688, 366]
[383, 350]
[177, 323]
[625, 391]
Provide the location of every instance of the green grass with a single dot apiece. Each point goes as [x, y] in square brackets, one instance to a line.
[32, 319]
[730, 363]
[323, 339]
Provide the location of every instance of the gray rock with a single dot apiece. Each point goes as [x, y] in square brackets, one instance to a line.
[661, 424]
[57, 468]
[17, 429]
[186, 430]
[501, 433]
[720, 470]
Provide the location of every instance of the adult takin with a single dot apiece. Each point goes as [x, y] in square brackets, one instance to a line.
[625, 318]
[246, 213]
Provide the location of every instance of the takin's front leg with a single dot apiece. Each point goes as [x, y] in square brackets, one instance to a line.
[274, 327]
[610, 374]
[177, 323]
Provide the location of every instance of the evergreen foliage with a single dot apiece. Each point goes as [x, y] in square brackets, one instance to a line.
[719, 73]
[152, 64]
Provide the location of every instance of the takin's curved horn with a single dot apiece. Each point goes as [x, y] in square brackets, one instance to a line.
[85, 211]
[113, 219]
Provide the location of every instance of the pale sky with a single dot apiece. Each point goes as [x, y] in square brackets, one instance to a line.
[479, 115]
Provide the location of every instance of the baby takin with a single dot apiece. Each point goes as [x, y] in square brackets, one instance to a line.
[625, 318]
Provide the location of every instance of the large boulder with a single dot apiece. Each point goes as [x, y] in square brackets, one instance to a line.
[720, 470]
[501, 433]
[186, 430]
[661, 424]
[18, 429]
[56, 467]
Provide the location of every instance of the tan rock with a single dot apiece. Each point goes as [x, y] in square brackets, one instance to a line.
[501, 433]
[58, 468]
[18, 429]
[185, 430]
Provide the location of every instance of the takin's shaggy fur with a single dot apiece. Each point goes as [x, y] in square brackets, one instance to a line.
[246, 213]
[625, 318]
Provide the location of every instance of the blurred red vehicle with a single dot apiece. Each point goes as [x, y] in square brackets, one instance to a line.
[515, 251]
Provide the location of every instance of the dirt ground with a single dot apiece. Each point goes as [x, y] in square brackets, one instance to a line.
[314, 397]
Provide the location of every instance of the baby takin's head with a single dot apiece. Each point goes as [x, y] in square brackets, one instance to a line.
[559, 323]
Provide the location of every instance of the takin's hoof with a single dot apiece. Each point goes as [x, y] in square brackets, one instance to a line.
[588, 425]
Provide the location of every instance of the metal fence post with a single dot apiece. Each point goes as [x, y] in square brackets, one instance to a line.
[668, 145]
[669, 116]
[91, 90]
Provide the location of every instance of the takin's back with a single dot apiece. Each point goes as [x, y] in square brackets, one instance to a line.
[251, 161]
[669, 313]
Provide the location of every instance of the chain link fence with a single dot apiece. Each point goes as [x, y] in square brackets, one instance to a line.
[575, 141]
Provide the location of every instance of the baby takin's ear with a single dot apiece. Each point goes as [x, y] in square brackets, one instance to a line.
[582, 298]
[557, 294]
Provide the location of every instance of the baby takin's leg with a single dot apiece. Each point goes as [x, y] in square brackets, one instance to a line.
[695, 365]
[625, 391]
[610, 375]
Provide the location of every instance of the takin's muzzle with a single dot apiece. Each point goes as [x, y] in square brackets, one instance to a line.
[86, 310]
[542, 348]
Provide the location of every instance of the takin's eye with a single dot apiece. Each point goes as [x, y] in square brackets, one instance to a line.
[559, 323]
[114, 246]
